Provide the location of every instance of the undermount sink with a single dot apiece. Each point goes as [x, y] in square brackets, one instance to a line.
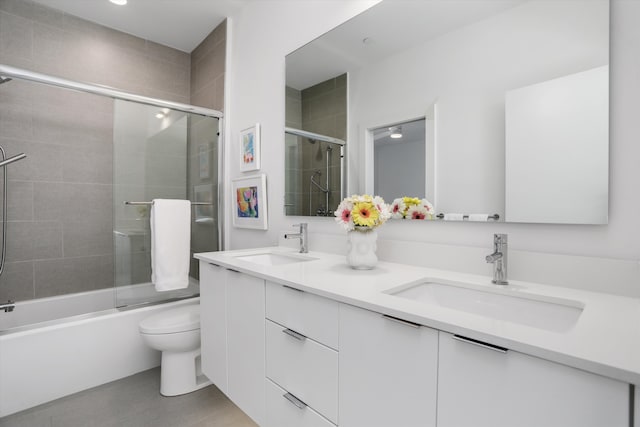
[271, 258]
[548, 313]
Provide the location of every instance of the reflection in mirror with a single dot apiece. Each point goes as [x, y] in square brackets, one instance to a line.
[468, 58]
[320, 159]
[400, 160]
[316, 125]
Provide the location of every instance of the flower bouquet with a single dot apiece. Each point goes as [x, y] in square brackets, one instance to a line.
[360, 216]
[362, 213]
[411, 208]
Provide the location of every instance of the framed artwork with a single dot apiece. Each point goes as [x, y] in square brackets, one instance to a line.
[249, 201]
[250, 149]
[204, 194]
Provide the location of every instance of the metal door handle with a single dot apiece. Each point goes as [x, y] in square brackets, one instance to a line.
[481, 344]
[402, 321]
[294, 334]
[297, 402]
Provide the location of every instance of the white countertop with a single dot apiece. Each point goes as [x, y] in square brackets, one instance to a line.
[605, 340]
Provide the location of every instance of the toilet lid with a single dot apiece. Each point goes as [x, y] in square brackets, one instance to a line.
[181, 319]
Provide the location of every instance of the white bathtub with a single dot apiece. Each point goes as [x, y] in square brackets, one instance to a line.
[45, 361]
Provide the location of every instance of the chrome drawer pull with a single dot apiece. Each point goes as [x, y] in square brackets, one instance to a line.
[231, 269]
[401, 321]
[215, 265]
[292, 288]
[480, 344]
[294, 334]
[297, 402]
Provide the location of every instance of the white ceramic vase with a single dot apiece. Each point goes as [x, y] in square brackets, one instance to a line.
[361, 249]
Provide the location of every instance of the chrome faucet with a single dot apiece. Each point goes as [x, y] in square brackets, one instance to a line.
[8, 306]
[499, 259]
[302, 235]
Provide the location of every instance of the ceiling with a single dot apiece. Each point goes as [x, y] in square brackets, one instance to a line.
[412, 131]
[373, 35]
[181, 24]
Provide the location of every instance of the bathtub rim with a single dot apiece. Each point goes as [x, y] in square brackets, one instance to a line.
[60, 322]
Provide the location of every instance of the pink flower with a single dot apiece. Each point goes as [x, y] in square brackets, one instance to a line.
[417, 215]
[345, 215]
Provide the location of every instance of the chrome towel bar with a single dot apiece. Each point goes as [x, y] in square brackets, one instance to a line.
[151, 203]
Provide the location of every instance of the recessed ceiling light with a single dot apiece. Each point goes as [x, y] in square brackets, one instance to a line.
[396, 132]
[119, 2]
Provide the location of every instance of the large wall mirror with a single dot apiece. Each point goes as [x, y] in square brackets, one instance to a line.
[510, 99]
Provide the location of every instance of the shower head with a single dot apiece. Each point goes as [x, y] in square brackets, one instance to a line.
[13, 159]
[4, 79]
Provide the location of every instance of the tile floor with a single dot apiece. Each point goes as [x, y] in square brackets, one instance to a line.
[134, 401]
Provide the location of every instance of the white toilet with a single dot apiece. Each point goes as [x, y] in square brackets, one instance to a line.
[176, 333]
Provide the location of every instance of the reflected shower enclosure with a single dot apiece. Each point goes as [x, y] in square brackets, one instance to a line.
[316, 126]
[314, 173]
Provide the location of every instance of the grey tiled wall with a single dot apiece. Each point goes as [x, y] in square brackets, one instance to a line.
[207, 90]
[60, 197]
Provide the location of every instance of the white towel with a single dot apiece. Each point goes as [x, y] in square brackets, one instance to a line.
[479, 217]
[453, 217]
[170, 243]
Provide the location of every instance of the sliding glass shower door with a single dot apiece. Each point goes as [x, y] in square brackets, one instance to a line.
[168, 154]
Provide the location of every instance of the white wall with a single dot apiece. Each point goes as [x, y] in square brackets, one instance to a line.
[266, 31]
[400, 170]
[260, 36]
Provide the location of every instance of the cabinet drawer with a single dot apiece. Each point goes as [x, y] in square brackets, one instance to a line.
[303, 367]
[479, 386]
[281, 412]
[313, 316]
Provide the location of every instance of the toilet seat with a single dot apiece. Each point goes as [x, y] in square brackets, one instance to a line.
[181, 319]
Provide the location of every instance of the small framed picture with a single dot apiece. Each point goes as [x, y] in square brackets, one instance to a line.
[250, 149]
[249, 202]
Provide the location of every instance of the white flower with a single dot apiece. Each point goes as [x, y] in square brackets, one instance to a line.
[428, 206]
[397, 208]
[343, 214]
[418, 212]
[382, 207]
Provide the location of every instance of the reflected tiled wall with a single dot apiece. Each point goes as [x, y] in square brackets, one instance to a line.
[322, 109]
[60, 197]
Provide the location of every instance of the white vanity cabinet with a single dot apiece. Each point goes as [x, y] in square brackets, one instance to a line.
[388, 371]
[301, 358]
[482, 385]
[213, 323]
[232, 307]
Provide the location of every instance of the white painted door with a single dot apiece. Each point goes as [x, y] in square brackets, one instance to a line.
[213, 323]
[388, 371]
[246, 343]
[480, 386]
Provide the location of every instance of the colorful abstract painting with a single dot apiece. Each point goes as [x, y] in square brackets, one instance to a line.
[247, 202]
[250, 148]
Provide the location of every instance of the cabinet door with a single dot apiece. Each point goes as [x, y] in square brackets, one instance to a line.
[246, 343]
[479, 386]
[388, 371]
[213, 323]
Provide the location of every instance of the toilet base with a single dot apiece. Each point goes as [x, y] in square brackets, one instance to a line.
[180, 373]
